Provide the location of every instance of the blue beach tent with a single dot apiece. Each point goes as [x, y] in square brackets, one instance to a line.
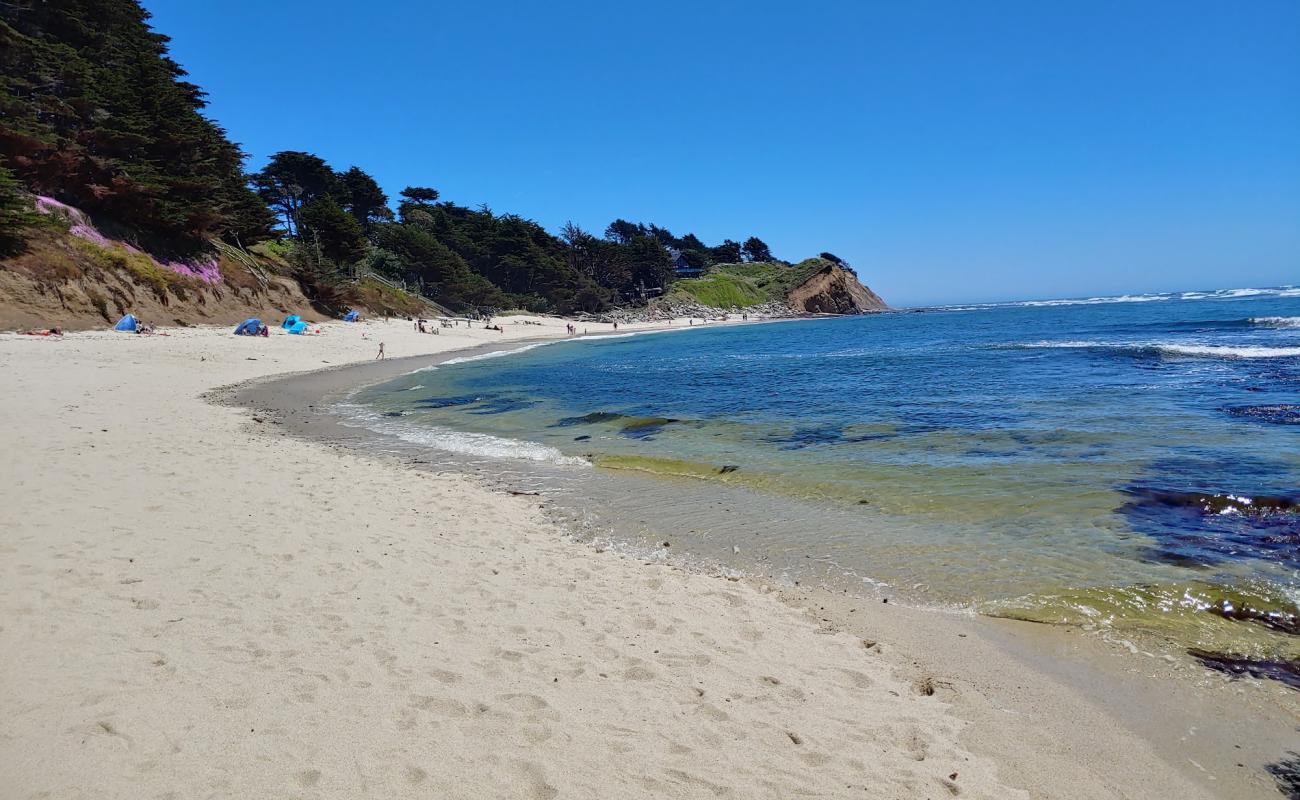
[248, 327]
[298, 327]
[351, 316]
[127, 323]
[290, 321]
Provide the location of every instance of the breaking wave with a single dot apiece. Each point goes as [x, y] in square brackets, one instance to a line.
[460, 442]
[1167, 348]
[1276, 322]
[1217, 294]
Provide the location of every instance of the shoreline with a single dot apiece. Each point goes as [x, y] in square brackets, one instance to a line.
[1105, 686]
[300, 625]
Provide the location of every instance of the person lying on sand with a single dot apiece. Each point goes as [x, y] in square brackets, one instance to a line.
[44, 332]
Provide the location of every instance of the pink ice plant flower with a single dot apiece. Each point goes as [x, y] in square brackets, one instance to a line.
[205, 269]
[80, 224]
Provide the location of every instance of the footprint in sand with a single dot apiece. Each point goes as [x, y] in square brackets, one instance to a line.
[524, 702]
[415, 775]
[535, 778]
[916, 746]
[639, 673]
[442, 706]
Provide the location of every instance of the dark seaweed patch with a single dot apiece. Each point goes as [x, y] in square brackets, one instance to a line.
[645, 427]
[594, 418]
[1203, 529]
[1287, 774]
[629, 426]
[1281, 414]
[826, 435]
[1287, 672]
[1274, 619]
[449, 402]
[502, 405]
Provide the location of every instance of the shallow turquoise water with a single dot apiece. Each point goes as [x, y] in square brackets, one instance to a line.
[1080, 460]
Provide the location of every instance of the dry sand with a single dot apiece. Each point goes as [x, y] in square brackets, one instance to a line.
[193, 604]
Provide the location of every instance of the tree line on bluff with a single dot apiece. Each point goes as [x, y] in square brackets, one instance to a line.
[94, 113]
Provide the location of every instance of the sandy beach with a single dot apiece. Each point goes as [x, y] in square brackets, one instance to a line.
[197, 602]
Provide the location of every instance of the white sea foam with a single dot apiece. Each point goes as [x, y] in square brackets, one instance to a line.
[534, 345]
[1276, 322]
[1170, 348]
[1225, 351]
[1068, 344]
[494, 354]
[1214, 294]
[460, 442]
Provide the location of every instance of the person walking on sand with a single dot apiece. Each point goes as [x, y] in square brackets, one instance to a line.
[380, 356]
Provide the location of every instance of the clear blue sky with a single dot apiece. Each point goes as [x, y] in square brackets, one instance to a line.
[952, 151]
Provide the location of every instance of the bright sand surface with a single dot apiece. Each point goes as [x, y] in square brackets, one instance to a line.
[193, 604]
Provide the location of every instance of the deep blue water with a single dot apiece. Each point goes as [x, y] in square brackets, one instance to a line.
[1142, 445]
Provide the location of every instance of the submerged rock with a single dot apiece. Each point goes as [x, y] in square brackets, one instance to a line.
[1280, 414]
[1207, 528]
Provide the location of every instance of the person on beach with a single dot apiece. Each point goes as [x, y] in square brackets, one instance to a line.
[380, 356]
[44, 332]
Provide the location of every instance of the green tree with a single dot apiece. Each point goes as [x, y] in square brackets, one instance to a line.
[648, 263]
[363, 199]
[755, 249]
[94, 112]
[726, 253]
[291, 180]
[420, 195]
[623, 232]
[16, 214]
[386, 263]
[338, 235]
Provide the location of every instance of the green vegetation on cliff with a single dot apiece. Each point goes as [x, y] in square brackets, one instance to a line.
[94, 114]
[746, 285]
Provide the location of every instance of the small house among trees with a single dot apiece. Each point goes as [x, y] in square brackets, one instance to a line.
[681, 266]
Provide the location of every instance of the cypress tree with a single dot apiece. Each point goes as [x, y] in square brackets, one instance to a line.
[95, 113]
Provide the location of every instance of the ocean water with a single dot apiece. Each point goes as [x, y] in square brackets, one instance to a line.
[1130, 465]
